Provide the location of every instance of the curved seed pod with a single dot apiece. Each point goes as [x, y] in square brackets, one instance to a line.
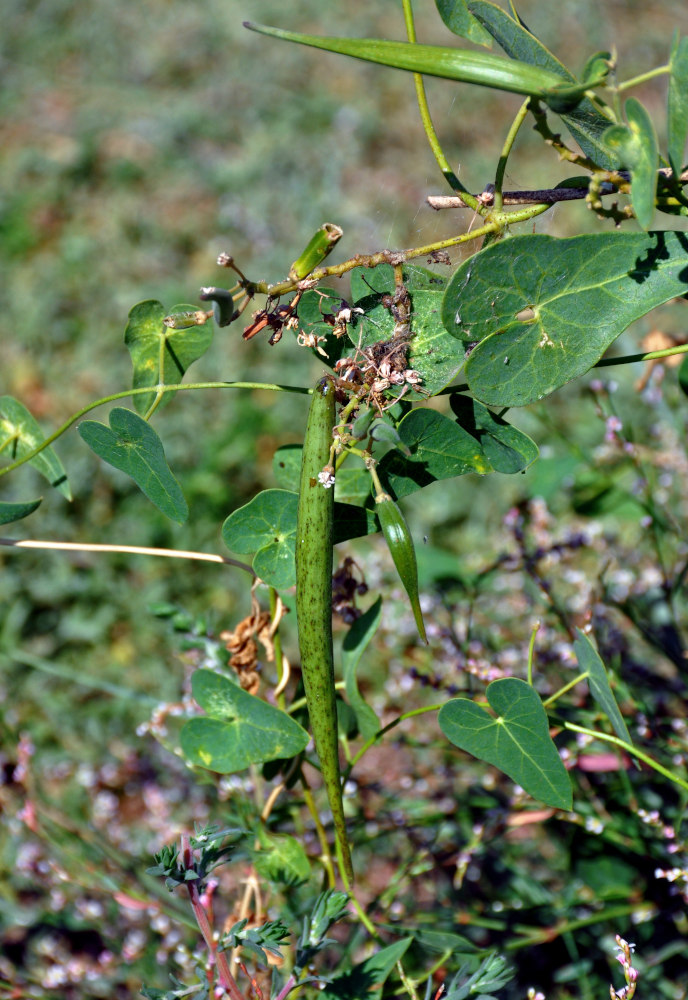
[400, 544]
[314, 540]
[224, 307]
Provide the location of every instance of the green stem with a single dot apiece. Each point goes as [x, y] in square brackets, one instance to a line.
[498, 222]
[642, 78]
[428, 126]
[548, 934]
[631, 751]
[562, 690]
[138, 392]
[627, 359]
[506, 150]
[531, 651]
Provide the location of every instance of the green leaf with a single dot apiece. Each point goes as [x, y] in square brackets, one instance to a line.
[507, 449]
[286, 467]
[458, 19]
[463, 65]
[16, 511]
[431, 351]
[366, 976]
[355, 642]
[314, 306]
[598, 682]
[281, 859]
[239, 729]
[159, 354]
[266, 525]
[543, 311]
[584, 122]
[637, 149]
[516, 740]
[440, 449]
[131, 445]
[678, 103]
[20, 433]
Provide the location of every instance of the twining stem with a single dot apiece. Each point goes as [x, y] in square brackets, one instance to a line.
[642, 78]
[433, 141]
[504, 155]
[631, 751]
[138, 392]
[563, 690]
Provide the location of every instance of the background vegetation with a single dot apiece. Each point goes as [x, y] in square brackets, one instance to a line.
[136, 142]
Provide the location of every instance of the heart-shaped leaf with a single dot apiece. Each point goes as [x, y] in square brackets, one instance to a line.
[239, 728]
[16, 511]
[516, 739]
[544, 310]
[431, 351]
[20, 433]
[160, 354]
[131, 445]
[598, 682]
[440, 449]
[266, 525]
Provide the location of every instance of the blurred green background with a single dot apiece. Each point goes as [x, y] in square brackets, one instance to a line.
[137, 141]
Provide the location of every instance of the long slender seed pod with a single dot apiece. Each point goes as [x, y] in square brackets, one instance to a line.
[400, 544]
[314, 540]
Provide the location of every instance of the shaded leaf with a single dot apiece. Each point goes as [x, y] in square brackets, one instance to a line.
[637, 149]
[440, 449]
[544, 310]
[366, 976]
[159, 354]
[131, 445]
[516, 740]
[584, 122]
[431, 351]
[507, 449]
[239, 729]
[20, 433]
[458, 19]
[355, 642]
[598, 682]
[678, 103]
[16, 511]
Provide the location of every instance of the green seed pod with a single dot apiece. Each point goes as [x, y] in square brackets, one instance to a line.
[322, 243]
[314, 540]
[400, 544]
